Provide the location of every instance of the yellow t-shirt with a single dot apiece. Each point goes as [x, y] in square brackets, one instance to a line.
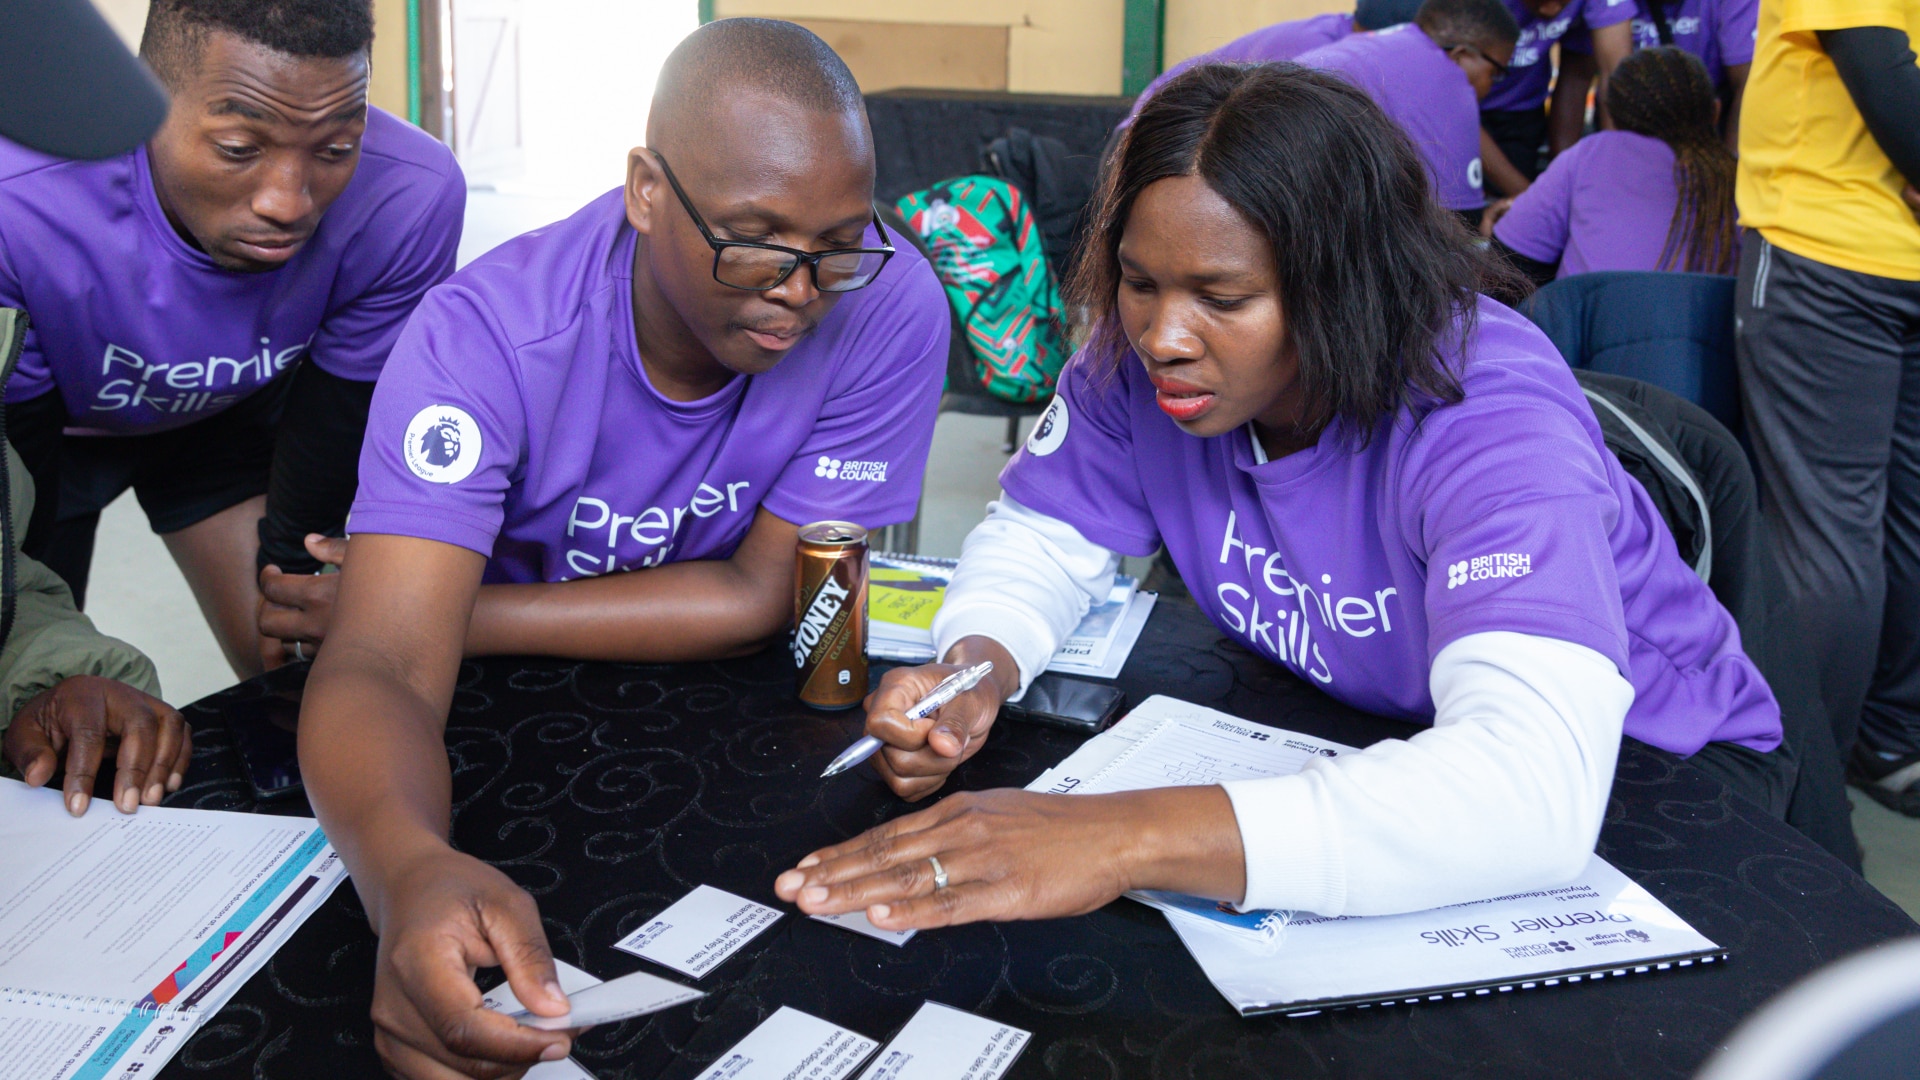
[1812, 179]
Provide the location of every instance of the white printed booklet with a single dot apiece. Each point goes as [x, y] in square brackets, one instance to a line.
[121, 933]
[1295, 962]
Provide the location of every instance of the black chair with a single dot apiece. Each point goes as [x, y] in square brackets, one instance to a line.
[963, 393]
[1672, 330]
[1726, 528]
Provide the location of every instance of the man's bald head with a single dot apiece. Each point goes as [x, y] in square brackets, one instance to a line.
[731, 59]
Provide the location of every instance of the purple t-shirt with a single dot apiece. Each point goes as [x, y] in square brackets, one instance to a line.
[1281, 41]
[1416, 84]
[140, 331]
[515, 418]
[1604, 204]
[1719, 32]
[1354, 567]
[1530, 74]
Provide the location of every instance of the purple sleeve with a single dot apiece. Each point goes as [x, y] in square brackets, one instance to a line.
[1739, 23]
[445, 432]
[1597, 15]
[865, 458]
[355, 337]
[1515, 514]
[1078, 464]
[30, 376]
[1536, 226]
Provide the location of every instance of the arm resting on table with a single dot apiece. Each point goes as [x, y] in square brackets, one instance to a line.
[1505, 792]
[1876, 64]
[702, 609]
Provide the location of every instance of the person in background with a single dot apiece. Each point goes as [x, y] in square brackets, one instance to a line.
[1514, 118]
[210, 309]
[1827, 327]
[1429, 76]
[1365, 472]
[1719, 32]
[67, 691]
[1654, 193]
[600, 441]
[1287, 40]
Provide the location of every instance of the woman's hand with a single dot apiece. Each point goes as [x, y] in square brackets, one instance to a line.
[920, 753]
[1019, 855]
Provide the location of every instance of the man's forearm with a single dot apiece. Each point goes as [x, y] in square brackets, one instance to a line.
[373, 759]
[316, 465]
[702, 610]
[1501, 172]
[1568, 119]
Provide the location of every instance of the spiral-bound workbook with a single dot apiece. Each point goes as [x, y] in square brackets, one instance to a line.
[1599, 924]
[121, 933]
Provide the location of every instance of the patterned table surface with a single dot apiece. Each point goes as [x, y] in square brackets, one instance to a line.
[609, 791]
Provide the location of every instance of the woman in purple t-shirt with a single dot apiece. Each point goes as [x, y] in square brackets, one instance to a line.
[1656, 193]
[1366, 473]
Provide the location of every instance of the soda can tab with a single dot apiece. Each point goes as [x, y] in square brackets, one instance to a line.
[830, 614]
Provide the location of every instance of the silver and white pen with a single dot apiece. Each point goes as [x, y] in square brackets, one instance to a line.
[950, 687]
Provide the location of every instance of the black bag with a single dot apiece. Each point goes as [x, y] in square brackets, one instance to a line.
[1057, 183]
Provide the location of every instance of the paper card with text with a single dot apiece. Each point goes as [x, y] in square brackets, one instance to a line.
[699, 931]
[792, 1045]
[945, 1043]
[856, 921]
[501, 999]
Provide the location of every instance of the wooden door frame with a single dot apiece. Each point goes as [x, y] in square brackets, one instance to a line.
[430, 67]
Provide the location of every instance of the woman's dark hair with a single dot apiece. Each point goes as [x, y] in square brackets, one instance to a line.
[1664, 93]
[1375, 277]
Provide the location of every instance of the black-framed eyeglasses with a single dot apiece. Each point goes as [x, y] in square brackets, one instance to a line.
[742, 264]
[1499, 69]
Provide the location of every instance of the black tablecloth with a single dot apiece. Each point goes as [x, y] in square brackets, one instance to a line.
[609, 791]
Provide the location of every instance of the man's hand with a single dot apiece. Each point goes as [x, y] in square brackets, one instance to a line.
[1911, 196]
[299, 607]
[1491, 216]
[80, 715]
[444, 916]
[920, 753]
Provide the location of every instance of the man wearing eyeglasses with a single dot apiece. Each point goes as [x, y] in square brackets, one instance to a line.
[599, 441]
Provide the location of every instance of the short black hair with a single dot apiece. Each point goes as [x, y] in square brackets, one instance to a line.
[728, 56]
[176, 29]
[1375, 278]
[1480, 23]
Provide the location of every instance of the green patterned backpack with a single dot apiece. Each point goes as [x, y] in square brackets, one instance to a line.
[987, 253]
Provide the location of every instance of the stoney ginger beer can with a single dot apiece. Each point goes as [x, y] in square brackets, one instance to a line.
[830, 614]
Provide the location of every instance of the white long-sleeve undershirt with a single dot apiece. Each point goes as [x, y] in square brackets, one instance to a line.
[1504, 793]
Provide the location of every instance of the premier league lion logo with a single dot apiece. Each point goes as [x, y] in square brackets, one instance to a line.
[442, 444]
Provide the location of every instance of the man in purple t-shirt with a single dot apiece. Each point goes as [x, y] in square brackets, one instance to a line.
[601, 441]
[1513, 118]
[175, 291]
[1429, 76]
